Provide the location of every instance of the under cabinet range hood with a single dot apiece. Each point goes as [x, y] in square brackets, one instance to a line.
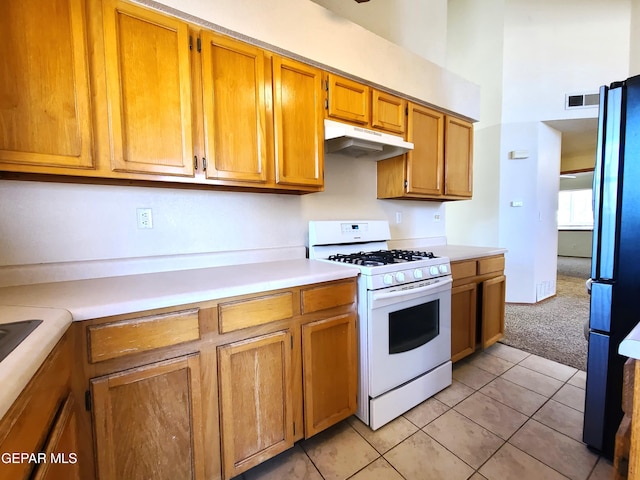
[349, 140]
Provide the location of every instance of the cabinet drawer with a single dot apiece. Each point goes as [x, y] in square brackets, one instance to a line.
[254, 311]
[113, 340]
[328, 296]
[490, 265]
[463, 269]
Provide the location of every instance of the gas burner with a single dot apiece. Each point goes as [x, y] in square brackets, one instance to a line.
[411, 255]
[381, 257]
[367, 259]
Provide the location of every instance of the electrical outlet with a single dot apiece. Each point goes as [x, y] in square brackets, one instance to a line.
[145, 218]
[398, 217]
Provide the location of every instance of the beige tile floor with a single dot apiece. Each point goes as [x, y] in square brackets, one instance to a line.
[507, 415]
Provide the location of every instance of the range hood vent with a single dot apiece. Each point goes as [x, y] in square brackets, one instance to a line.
[348, 140]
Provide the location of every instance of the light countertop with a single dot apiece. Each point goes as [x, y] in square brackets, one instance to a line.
[103, 297]
[630, 346]
[463, 252]
[60, 303]
[439, 247]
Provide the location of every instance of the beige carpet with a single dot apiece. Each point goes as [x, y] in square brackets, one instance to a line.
[553, 328]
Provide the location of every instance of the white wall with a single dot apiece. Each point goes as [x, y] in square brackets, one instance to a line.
[546, 230]
[350, 193]
[556, 47]
[634, 40]
[545, 49]
[415, 26]
[474, 45]
[575, 243]
[52, 222]
[551, 48]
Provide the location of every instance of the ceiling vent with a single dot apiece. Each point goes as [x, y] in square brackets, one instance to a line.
[581, 100]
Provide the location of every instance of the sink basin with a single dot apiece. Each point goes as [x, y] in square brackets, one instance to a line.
[12, 334]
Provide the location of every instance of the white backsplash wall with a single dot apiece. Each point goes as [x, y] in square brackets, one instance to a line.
[56, 223]
[351, 193]
[52, 222]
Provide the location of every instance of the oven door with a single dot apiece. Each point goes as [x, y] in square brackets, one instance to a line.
[409, 333]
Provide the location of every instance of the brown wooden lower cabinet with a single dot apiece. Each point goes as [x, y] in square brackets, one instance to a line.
[148, 420]
[41, 422]
[493, 298]
[330, 371]
[61, 449]
[173, 393]
[463, 325]
[254, 381]
[201, 395]
[477, 304]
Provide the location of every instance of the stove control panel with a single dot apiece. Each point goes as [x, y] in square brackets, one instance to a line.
[406, 276]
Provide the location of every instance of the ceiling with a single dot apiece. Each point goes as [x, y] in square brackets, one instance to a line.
[579, 135]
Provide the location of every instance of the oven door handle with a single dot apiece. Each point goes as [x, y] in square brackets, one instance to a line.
[403, 293]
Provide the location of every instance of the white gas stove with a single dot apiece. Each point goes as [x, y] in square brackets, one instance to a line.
[404, 310]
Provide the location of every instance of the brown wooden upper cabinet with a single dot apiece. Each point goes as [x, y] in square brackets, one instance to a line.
[298, 123]
[148, 90]
[458, 161]
[120, 91]
[233, 82]
[439, 166]
[388, 112]
[353, 102]
[262, 116]
[347, 100]
[46, 125]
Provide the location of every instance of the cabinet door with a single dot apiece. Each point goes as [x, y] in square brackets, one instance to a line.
[425, 163]
[329, 364]
[254, 378]
[45, 118]
[464, 315]
[298, 123]
[148, 422]
[493, 298]
[61, 449]
[233, 82]
[458, 157]
[148, 90]
[388, 112]
[348, 100]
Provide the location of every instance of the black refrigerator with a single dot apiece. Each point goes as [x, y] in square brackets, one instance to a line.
[615, 263]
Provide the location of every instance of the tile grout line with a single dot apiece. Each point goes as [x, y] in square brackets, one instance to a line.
[529, 417]
[449, 408]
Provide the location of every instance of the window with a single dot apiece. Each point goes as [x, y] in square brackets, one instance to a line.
[575, 210]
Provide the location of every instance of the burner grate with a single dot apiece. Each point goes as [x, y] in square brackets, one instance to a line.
[381, 257]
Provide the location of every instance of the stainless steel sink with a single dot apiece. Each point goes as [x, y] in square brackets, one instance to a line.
[12, 334]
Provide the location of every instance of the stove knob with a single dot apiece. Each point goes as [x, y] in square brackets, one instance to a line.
[417, 273]
[387, 279]
[400, 276]
[443, 269]
[433, 270]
